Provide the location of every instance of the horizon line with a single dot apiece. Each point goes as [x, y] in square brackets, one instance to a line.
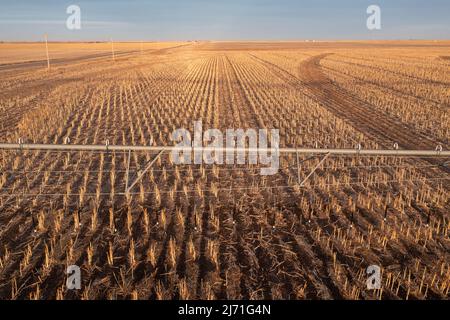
[228, 40]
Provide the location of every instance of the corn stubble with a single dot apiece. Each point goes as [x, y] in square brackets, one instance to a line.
[221, 232]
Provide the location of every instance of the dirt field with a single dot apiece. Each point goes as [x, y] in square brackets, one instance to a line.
[222, 231]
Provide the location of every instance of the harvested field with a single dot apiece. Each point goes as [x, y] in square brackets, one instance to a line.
[225, 231]
[16, 53]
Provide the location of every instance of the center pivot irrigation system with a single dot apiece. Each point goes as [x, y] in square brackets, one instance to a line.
[325, 153]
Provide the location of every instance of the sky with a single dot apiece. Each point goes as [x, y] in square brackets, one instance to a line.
[153, 20]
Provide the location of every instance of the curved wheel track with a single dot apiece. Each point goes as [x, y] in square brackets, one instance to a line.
[380, 127]
[362, 115]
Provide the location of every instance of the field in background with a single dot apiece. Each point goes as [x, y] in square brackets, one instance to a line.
[28, 52]
[225, 232]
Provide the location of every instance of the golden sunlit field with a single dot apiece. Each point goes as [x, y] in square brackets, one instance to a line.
[32, 52]
[225, 231]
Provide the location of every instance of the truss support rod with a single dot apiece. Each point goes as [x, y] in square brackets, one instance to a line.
[127, 174]
[315, 151]
[314, 170]
[143, 172]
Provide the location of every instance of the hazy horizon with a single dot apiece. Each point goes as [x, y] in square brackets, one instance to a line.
[230, 40]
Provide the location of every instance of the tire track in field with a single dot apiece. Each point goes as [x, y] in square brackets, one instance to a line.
[384, 86]
[358, 112]
[380, 127]
[361, 115]
[398, 74]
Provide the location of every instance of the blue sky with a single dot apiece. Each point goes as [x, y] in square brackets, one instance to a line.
[27, 20]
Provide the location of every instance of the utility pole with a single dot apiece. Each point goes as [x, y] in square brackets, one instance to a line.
[112, 50]
[46, 51]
